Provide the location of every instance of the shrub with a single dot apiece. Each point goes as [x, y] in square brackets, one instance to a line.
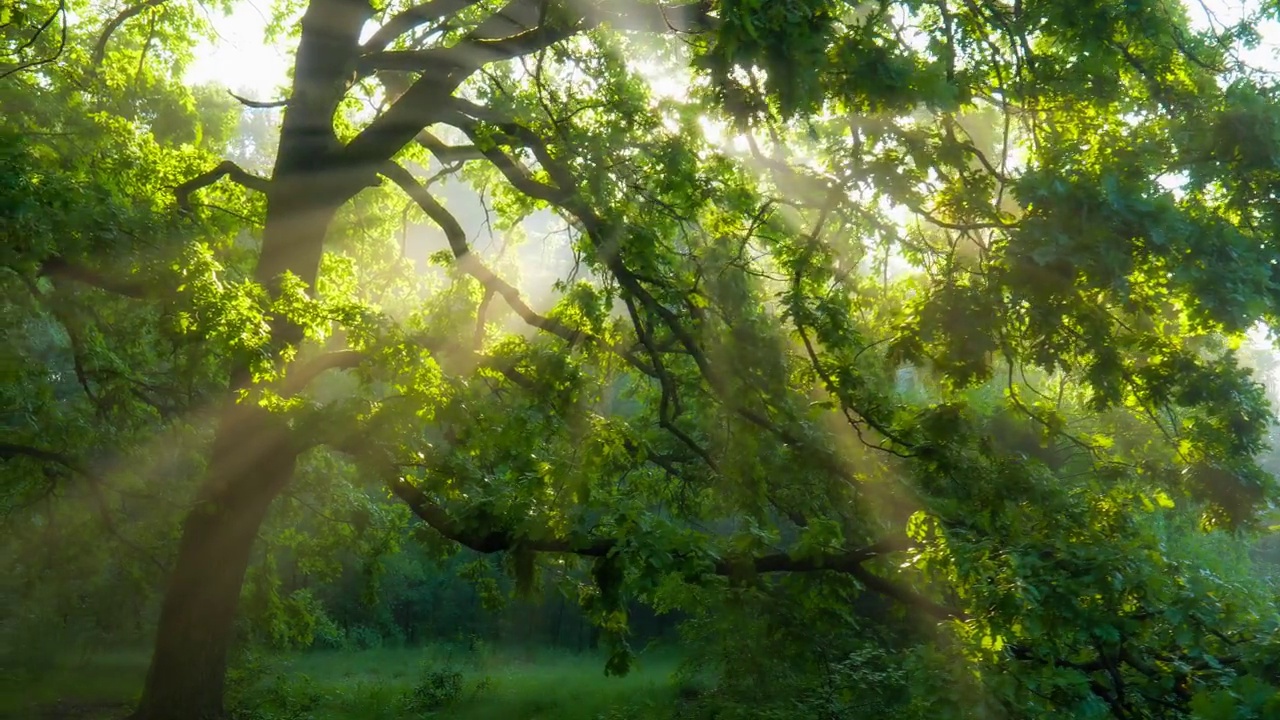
[436, 689]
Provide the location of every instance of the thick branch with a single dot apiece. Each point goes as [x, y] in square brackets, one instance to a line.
[484, 541]
[9, 451]
[327, 52]
[447, 154]
[467, 55]
[226, 169]
[498, 539]
[58, 267]
[513, 31]
[301, 375]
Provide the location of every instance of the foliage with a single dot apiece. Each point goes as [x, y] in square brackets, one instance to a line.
[902, 354]
[437, 689]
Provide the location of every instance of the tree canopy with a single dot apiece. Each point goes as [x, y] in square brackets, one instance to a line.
[908, 328]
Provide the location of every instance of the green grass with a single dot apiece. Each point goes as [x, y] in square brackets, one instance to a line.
[372, 684]
[365, 685]
[70, 686]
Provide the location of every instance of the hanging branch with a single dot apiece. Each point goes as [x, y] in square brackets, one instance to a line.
[469, 263]
[301, 375]
[39, 31]
[467, 117]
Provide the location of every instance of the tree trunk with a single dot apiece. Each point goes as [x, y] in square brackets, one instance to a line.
[254, 453]
[252, 460]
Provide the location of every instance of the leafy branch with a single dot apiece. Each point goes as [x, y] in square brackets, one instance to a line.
[851, 562]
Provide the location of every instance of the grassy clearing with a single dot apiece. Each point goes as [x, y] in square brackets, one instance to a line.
[374, 684]
[74, 685]
[368, 685]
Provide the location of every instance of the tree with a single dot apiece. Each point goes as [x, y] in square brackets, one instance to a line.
[725, 395]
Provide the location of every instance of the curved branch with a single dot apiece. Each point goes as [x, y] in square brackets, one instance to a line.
[471, 264]
[100, 48]
[492, 283]
[597, 228]
[226, 169]
[443, 70]
[258, 104]
[297, 379]
[9, 451]
[467, 55]
[415, 16]
[447, 154]
[466, 116]
[39, 31]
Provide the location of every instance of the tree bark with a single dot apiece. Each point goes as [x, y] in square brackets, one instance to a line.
[253, 458]
[252, 461]
[254, 453]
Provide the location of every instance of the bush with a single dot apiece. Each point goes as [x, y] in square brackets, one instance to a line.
[436, 689]
[244, 675]
[363, 637]
[331, 637]
[283, 697]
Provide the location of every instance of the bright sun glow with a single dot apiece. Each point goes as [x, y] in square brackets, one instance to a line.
[239, 57]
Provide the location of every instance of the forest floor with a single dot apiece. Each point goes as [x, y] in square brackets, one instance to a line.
[364, 685]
